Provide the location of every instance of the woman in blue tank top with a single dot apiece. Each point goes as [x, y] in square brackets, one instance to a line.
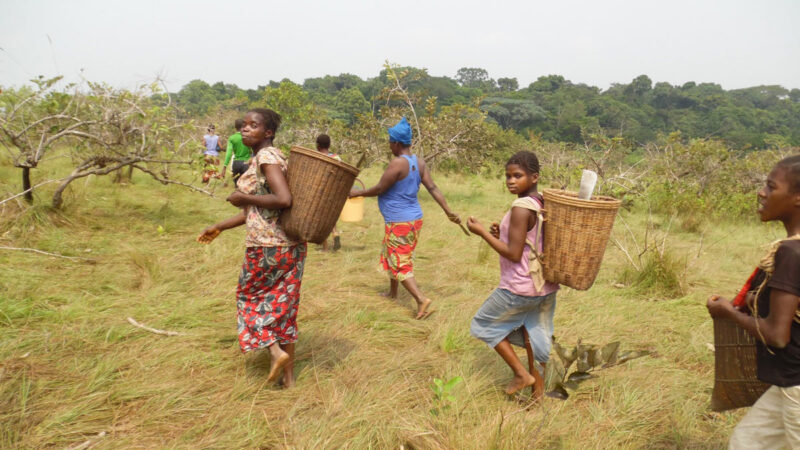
[397, 199]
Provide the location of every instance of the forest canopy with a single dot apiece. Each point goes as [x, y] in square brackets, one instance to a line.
[552, 107]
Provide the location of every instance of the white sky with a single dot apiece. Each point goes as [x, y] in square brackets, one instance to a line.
[734, 43]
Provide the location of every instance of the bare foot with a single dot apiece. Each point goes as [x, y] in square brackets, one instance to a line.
[287, 381]
[520, 382]
[389, 295]
[537, 391]
[422, 310]
[277, 364]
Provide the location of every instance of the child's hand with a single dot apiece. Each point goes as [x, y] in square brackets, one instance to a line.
[494, 230]
[475, 226]
[209, 234]
[719, 306]
[237, 199]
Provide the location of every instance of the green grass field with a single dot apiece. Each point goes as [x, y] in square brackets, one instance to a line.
[73, 371]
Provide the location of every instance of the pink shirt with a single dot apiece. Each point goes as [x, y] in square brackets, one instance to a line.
[514, 275]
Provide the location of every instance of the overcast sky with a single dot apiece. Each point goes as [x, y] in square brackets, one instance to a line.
[734, 43]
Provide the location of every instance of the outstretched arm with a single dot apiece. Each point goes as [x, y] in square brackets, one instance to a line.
[280, 197]
[427, 181]
[776, 328]
[517, 232]
[213, 231]
[388, 179]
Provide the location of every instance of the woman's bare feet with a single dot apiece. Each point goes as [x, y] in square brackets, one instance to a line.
[277, 364]
[422, 309]
[288, 380]
[520, 382]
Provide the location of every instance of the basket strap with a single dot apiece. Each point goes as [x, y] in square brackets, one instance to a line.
[535, 258]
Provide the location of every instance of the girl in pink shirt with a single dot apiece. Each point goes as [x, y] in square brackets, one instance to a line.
[520, 311]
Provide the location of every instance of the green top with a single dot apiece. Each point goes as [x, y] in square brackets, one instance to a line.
[236, 148]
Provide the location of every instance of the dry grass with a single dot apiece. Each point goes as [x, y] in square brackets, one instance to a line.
[71, 367]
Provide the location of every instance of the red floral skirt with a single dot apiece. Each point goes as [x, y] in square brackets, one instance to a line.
[399, 242]
[268, 295]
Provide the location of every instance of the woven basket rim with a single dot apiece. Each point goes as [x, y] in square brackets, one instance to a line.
[571, 198]
[323, 157]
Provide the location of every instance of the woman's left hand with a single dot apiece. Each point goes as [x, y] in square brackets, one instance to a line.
[354, 193]
[454, 218]
[237, 199]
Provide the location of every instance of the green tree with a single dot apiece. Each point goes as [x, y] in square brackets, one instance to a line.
[507, 84]
[475, 77]
[351, 102]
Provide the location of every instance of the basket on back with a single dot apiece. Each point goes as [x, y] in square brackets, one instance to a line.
[735, 382]
[575, 236]
[319, 185]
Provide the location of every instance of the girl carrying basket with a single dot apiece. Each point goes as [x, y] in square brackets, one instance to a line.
[520, 311]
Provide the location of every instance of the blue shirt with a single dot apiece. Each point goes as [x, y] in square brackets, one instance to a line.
[400, 203]
[211, 144]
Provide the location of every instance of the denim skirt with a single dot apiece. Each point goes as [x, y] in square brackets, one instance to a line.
[504, 314]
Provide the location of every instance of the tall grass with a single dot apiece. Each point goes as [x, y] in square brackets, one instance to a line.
[71, 367]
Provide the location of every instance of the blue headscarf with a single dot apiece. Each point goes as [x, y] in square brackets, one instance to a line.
[401, 132]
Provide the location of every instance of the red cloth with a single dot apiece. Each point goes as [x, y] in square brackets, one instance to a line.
[399, 242]
[268, 295]
[741, 297]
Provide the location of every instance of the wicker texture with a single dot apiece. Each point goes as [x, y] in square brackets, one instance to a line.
[576, 233]
[319, 185]
[735, 382]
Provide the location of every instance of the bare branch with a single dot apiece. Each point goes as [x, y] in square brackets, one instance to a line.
[133, 322]
[71, 258]
[29, 190]
[163, 180]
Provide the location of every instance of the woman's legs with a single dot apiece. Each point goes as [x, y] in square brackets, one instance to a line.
[537, 390]
[279, 359]
[522, 378]
[288, 369]
[422, 302]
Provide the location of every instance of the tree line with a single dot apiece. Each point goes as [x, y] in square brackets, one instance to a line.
[552, 107]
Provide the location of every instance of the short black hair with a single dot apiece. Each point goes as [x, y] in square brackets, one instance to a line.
[791, 165]
[526, 160]
[323, 141]
[238, 124]
[272, 120]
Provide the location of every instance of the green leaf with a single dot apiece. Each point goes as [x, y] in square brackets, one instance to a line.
[452, 383]
[558, 392]
[567, 358]
[583, 359]
[610, 352]
[577, 377]
[627, 356]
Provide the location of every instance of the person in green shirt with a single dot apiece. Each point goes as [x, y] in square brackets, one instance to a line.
[239, 152]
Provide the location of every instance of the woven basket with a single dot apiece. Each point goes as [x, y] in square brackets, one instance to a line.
[575, 236]
[319, 185]
[735, 382]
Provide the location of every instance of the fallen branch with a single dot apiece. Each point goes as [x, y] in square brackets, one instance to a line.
[73, 258]
[133, 322]
[89, 442]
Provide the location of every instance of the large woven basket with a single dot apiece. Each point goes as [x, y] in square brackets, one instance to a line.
[319, 185]
[576, 233]
[735, 382]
